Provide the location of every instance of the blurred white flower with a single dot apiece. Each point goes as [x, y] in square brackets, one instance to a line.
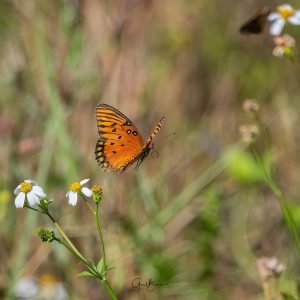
[51, 288]
[285, 45]
[46, 287]
[269, 267]
[285, 13]
[250, 105]
[30, 191]
[249, 133]
[26, 288]
[75, 188]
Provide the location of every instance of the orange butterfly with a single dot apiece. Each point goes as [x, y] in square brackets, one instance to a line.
[120, 143]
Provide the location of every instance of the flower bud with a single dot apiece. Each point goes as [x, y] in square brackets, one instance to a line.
[250, 105]
[46, 235]
[249, 133]
[97, 193]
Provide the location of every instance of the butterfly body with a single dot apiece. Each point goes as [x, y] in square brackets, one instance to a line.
[120, 143]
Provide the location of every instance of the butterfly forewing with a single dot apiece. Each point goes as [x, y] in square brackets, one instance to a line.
[120, 142]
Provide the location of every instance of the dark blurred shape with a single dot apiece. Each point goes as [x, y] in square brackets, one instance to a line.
[257, 23]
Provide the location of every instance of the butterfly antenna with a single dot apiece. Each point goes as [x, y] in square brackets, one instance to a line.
[165, 137]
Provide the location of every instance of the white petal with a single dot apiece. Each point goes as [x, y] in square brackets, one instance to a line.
[27, 288]
[87, 192]
[17, 190]
[295, 18]
[38, 191]
[276, 27]
[274, 16]
[297, 13]
[285, 7]
[67, 194]
[73, 198]
[84, 181]
[32, 198]
[30, 181]
[278, 51]
[20, 199]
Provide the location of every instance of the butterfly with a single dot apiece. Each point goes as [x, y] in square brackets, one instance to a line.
[120, 143]
[257, 23]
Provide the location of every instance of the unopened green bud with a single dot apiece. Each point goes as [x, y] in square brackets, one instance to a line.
[47, 235]
[44, 203]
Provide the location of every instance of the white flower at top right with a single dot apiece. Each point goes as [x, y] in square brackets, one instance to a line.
[285, 13]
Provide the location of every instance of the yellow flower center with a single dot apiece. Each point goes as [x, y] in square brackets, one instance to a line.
[25, 187]
[285, 12]
[96, 188]
[47, 279]
[75, 187]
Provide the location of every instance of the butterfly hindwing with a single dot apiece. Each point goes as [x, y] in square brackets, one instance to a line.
[120, 142]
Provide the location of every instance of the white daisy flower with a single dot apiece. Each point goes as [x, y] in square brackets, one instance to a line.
[75, 188]
[285, 13]
[30, 191]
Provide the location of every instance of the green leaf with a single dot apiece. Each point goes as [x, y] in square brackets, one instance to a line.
[287, 296]
[85, 274]
[242, 167]
[298, 287]
[100, 265]
[295, 211]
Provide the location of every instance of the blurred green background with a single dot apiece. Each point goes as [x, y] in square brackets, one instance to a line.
[197, 216]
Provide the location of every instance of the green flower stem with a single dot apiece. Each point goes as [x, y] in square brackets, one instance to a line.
[267, 144]
[29, 207]
[101, 238]
[69, 245]
[264, 132]
[282, 199]
[74, 249]
[286, 213]
[87, 203]
[88, 265]
[68, 241]
[109, 289]
[294, 61]
[96, 213]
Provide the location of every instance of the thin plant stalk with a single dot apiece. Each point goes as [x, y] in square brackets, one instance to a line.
[109, 289]
[87, 203]
[275, 187]
[266, 290]
[96, 213]
[101, 238]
